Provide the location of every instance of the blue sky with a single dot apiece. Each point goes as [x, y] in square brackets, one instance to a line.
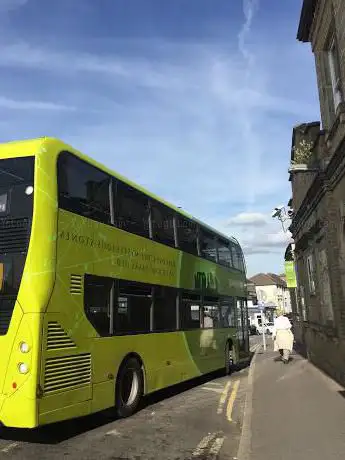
[193, 99]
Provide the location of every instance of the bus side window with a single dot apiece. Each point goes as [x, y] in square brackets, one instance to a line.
[187, 235]
[83, 189]
[131, 209]
[162, 220]
[208, 245]
[97, 302]
[134, 303]
[227, 307]
[235, 258]
[211, 313]
[164, 308]
[224, 253]
[190, 311]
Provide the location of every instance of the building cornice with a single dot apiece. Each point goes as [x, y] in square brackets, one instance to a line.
[306, 20]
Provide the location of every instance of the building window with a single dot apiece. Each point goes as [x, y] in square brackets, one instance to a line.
[324, 283]
[311, 274]
[334, 73]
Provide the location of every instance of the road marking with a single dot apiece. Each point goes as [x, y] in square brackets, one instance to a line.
[223, 397]
[232, 400]
[216, 446]
[113, 433]
[203, 444]
[244, 448]
[217, 384]
[216, 390]
[255, 347]
[10, 447]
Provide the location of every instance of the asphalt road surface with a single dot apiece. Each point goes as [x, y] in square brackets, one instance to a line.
[200, 419]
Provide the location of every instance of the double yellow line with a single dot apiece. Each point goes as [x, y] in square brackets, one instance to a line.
[231, 400]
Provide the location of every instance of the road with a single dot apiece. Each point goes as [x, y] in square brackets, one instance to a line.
[201, 419]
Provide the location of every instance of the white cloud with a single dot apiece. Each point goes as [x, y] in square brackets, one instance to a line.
[265, 243]
[6, 103]
[248, 219]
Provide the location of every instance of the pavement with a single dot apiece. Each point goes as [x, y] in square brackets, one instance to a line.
[293, 411]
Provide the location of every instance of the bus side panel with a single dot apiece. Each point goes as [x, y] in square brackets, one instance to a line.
[166, 361]
[66, 369]
[67, 361]
[20, 404]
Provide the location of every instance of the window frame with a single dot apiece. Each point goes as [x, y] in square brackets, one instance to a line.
[311, 273]
[333, 65]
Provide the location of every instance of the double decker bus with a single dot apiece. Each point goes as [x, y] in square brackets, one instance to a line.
[107, 292]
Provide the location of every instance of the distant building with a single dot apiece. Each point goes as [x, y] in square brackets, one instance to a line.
[272, 292]
[252, 298]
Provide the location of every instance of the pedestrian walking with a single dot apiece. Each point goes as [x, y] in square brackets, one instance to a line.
[283, 337]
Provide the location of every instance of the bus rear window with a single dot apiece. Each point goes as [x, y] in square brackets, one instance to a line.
[16, 187]
[16, 171]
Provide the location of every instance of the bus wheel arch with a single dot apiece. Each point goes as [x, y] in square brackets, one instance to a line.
[130, 385]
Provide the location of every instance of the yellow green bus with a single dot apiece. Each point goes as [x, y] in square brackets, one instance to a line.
[107, 292]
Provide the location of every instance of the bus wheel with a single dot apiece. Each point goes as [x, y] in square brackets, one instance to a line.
[229, 357]
[129, 388]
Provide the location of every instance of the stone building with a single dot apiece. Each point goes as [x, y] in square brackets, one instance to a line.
[317, 176]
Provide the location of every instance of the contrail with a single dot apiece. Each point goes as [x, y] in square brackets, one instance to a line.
[250, 7]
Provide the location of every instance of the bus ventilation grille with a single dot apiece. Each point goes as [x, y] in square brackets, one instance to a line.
[6, 310]
[76, 284]
[14, 235]
[67, 372]
[57, 337]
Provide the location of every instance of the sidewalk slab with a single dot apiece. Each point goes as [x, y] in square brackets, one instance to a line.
[298, 413]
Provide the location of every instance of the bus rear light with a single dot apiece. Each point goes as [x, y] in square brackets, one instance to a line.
[14, 385]
[23, 368]
[24, 347]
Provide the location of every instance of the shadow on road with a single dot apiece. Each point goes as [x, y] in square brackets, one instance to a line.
[62, 431]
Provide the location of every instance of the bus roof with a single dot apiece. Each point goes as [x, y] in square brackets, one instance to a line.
[31, 146]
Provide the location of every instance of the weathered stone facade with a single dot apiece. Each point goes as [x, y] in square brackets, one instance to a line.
[318, 202]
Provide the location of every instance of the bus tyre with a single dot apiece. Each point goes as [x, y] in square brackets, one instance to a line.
[129, 388]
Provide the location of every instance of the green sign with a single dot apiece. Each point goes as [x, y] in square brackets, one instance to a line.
[290, 274]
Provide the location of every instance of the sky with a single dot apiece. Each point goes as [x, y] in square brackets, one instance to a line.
[193, 99]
